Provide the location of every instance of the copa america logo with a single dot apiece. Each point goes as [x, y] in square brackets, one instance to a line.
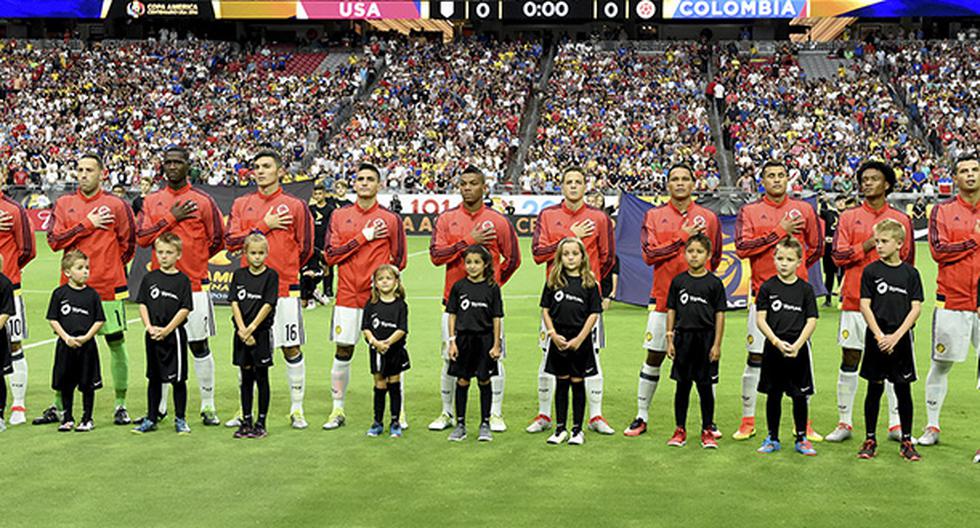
[646, 9]
[135, 9]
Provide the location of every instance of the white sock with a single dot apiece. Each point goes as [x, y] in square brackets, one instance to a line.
[447, 387]
[649, 377]
[546, 389]
[164, 396]
[497, 388]
[593, 390]
[18, 380]
[401, 388]
[893, 418]
[339, 378]
[204, 368]
[847, 385]
[296, 375]
[936, 386]
[750, 390]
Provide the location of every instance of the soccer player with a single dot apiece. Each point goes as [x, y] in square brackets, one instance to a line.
[17, 248]
[471, 223]
[853, 249]
[192, 215]
[665, 231]
[101, 226]
[573, 218]
[7, 311]
[165, 302]
[891, 295]
[954, 238]
[786, 313]
[759, 226]
[313, 273]
[361, 237]
[288, 228]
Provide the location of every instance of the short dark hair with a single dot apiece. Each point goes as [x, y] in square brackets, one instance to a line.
[699, 238]
[573, 168]
[882, 167]
[473, 169]
[368, 167]
[178, 149]
[681, 165]
[94, 157]
[772, 163]
[268, 153]
[119, 186]
[972, 156]
[788, 242]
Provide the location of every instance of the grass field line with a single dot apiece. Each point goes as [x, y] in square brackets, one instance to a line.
[53, 339]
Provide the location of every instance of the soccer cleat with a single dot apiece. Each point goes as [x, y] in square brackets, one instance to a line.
[895, 433]
[3, 425]
[484, 434]
[976, 457]
[812, 435]
[868, 449]
[804, 447]
[17, 415]
[297, 420]
[708, 440]
[180, 425]
[577, 438]
[209, 417]
[244, 430]
[145, 426]
[395, 430]
[85, 426]
[458, 434]
[558, 437]
[541, 422]
[636, 428]
[840, 433]
[403, 421]
[601, 426]
[66, 427]
[376, 429]
[337, 419]
[160, 418]
[715, 432]
[49, 416]
[908, 452]
[497, 424]
[236, 421]
[443, 422]
[930, 436]
[259, 431]
[769, 446]
[121, 416]
[746, 430]
[679, 439]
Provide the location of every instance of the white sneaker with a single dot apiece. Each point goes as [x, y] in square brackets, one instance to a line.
[976, 458]
[842, 432]
[895, 433]
[443, 422]
[236, 421]
[297, 420]
[558, 437]
[541, 423]
[577, 439]
[497, 424]
[930, 436]
[403, 421]
[311, 305]
[17, 417]
[319, 297]
[601, 426]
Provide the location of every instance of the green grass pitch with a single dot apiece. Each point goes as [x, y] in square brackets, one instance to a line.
[342, 478]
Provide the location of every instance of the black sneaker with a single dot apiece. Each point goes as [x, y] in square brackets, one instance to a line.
[908, 451]
[121, 417]
[244, 430]
[868, 449]
[259, 431]
[49, 416]
[160, 418]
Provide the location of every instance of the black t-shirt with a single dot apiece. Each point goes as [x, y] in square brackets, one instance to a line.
[891, 290]
[251, 292]
[570, 306]
[696, 300]
[607, 281]
[6, 307]
[787, 306]
[475, 305]
[383, 319]
[830, 218]
[321, 220]
[75, 310]
[164, 295]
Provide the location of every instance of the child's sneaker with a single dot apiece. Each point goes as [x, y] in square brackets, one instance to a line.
[458, 434]
[485, 435]
[708, 440]
[244, 430]
[679, 439]
[558, 437]
[395, 430]
[868, 449]
[181, 426]
[376, 429]
[258, 431]
[804, 447]
[144, 427]
[85, 426]
[769, 446]
[577, 438]
[908, 451]
[66, 426]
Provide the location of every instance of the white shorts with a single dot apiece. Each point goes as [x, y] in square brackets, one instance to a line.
[287, 327]
[754, 340]
[445, 338]
[200, 322]
[17, 324]
[850, 334]
[953, 331]
[656, 336]
[346, 325]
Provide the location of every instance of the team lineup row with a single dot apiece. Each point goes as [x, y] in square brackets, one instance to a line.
[361, 237]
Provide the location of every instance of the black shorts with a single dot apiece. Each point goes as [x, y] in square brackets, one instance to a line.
[692, 361]
[897, 367]
[76, 367]
[257, 355]
[792, 376]
[391, 363]
[474, 359]
[166, 361]
[579, 363]
[6, 366]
